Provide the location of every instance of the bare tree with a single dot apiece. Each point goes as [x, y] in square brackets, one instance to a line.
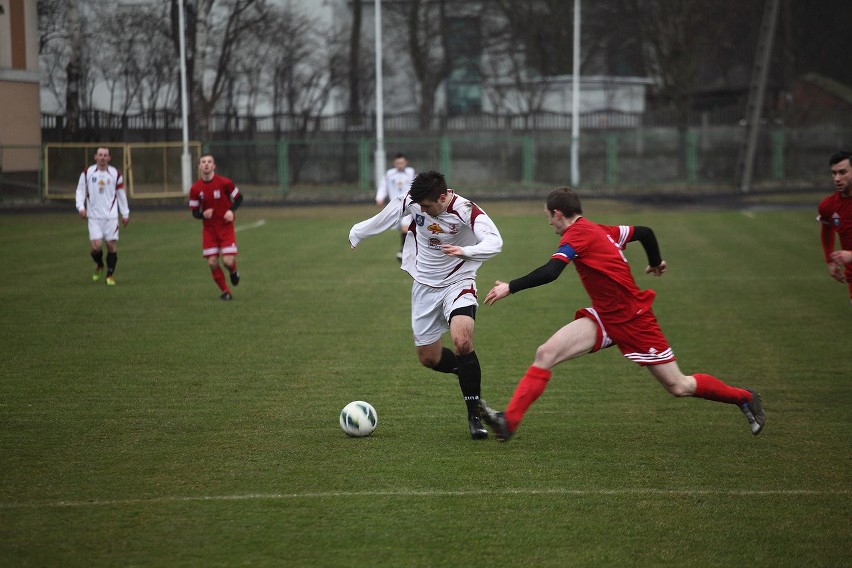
[679, 39]
[305, 69]
[53, 47]
[505, 68]
[214, 29]
[354, 75]
[422, 36]
[73, 70]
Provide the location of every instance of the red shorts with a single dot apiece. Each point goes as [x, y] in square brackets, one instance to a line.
[218, 239]
[641, 340]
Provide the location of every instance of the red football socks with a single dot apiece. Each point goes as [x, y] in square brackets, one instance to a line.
[219, 277]
[711, 388]
[528, 390]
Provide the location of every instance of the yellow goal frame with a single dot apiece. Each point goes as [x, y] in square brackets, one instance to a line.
[63, 186]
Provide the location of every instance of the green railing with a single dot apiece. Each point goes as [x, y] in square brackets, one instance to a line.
[341, 167]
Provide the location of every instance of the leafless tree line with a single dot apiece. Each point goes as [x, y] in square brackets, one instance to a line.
[243, 55]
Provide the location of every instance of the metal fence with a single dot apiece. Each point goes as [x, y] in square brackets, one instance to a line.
[224, 125]
[338, 166]
[612, 162]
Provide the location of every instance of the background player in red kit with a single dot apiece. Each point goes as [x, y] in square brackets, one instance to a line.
[835, 216]
[620, 315]
[213, 199]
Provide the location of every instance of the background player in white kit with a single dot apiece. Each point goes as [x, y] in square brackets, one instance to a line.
[448, 241]
[100, 198]
[395, 183]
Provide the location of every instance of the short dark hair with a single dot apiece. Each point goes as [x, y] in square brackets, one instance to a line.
[428, 185]
[566, 200]
[838, 157]
[400, 155]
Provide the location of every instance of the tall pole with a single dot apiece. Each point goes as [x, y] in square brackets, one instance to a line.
[756, 93]
[575, 102]
[185, 161]
[380, 109]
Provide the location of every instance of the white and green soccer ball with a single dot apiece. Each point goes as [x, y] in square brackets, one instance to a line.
[358, 419]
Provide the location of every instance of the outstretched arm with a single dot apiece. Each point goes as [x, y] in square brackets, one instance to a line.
[378, 223]
[646, 236]
[544, 274]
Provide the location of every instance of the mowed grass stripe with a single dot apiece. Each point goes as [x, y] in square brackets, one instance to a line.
[641, 492]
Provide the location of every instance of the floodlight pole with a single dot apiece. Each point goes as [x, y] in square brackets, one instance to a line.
[186, 160]
[575, 102]
[380, 155]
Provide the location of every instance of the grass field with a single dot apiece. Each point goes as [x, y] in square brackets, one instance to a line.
[150, 424]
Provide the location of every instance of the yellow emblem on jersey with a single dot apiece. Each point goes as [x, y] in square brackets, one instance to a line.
[434, 228]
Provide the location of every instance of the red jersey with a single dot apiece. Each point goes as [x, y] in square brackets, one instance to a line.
[218, 194]
[836, 212]
[596, 253]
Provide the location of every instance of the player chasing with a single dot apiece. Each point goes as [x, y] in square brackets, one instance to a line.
[214, 199]
[99, 191]
[835, 216]
[620, 315]
[449, 238]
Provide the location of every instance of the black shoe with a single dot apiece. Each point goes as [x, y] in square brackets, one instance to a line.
[235, 277]
[226, 296]
[753, 411]
[477, 432]
[496, 421]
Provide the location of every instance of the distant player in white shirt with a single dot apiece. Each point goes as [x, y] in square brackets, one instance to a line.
[395, 183]
[448, 240]
[100, 199]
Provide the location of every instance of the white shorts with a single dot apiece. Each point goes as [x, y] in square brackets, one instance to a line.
[103, 229]
[431, 308]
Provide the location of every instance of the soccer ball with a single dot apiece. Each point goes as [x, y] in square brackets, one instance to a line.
[358, 418]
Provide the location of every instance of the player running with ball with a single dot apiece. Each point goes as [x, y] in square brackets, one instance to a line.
[447, 240]
[620, 315]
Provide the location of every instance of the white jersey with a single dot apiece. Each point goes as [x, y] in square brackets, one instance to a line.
[100, 191]
[395, 183]
[463, 224]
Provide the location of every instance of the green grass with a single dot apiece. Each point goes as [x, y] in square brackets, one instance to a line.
[150, 424]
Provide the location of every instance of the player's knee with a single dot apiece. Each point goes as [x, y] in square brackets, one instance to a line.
[544, 356]
[463, 346]
[427, 360]
[679, 389]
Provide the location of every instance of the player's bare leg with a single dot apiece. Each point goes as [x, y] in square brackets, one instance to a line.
[708, 387]
[673, 380]
[571, 341]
